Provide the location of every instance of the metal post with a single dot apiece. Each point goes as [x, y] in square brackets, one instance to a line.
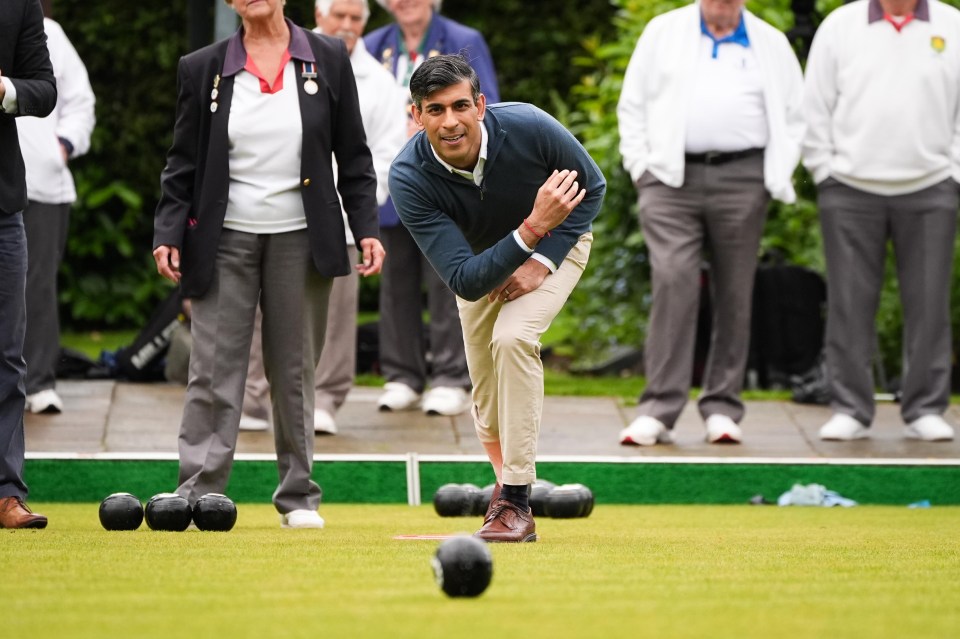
[225, 21]
[199, 24]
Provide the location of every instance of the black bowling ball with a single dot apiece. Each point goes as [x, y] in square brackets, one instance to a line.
[456, 500]
[168, 511]
[463, 566]
[121, 511]
[587, 496]
[484, 499]
[538, 496]
[567, 502]
[215, 512]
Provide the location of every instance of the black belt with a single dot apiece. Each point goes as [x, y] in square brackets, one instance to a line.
[720, 157]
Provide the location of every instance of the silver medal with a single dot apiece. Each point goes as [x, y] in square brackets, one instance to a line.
[310, 87]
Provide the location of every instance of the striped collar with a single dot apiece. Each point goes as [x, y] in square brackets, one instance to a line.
[875, 12]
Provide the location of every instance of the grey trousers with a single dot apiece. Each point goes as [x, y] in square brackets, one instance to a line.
[13, 320]
[46, 226]
[278, 271]
[335, 373]
[856, 227]
[403, 354]
[717, 215]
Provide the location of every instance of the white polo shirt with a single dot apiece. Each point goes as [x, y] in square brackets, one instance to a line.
[265, 134]
[725, 110]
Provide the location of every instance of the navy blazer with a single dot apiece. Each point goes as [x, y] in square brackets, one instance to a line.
[194, 185]
[25, 61]
[444, 37]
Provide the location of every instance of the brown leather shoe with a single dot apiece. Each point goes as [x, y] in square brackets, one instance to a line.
[15, 514]
[505, 522]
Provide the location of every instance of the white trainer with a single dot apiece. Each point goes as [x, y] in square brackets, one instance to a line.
[323, 423]
[929, 428]
[301, 519]
[645, 431]
[842, 427]
[723, 430]
[45, 401]
[446, 400]
[253, 424]
[398, 396]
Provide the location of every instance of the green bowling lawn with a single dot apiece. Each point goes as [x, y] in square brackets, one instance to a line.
[626, 571]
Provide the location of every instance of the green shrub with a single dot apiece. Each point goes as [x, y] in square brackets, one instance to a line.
[108, 278]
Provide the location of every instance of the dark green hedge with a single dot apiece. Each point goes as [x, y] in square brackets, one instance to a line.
[131, 51]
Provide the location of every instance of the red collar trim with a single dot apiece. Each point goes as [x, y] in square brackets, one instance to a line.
[265, 86]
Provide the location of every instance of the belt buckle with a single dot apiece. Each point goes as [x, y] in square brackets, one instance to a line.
[712, 157]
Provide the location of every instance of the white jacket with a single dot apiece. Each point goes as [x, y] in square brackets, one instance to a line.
[656, 88]
[383, 112]
[48, 177]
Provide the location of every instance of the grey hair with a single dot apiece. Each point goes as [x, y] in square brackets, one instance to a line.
[438, 73]
[324, 6]
[436, 4]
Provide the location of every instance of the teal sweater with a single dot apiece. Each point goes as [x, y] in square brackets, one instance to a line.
[466, 230]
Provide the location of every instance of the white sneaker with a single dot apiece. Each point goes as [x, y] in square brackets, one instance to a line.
[723, 430]
[645, 431]
[446, 400]
[398, 396]
[301, 519]
[253, 424]
[930, 428]
[843, 427]
[323, 423]
[45, 401]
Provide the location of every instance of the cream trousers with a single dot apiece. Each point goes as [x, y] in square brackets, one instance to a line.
[502, 342]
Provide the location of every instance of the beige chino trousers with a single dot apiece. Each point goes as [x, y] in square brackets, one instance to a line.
[502, 343]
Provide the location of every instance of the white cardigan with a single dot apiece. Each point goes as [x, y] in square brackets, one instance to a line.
[48, 177]
[657, 86]
[883, 107]
[383, 110]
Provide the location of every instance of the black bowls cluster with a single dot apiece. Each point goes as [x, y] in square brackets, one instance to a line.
[546, 500]
[168, 511]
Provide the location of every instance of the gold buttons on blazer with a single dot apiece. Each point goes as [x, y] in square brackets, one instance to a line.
[306, 182]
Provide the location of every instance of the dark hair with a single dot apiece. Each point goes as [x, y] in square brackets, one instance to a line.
[440, 72]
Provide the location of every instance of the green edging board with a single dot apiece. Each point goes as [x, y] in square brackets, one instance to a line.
[711, 483]
[82, 480]
[56, 480]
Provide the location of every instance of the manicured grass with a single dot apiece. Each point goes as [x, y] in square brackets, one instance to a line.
[91, 343]
[626, 388]
[627, 571]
